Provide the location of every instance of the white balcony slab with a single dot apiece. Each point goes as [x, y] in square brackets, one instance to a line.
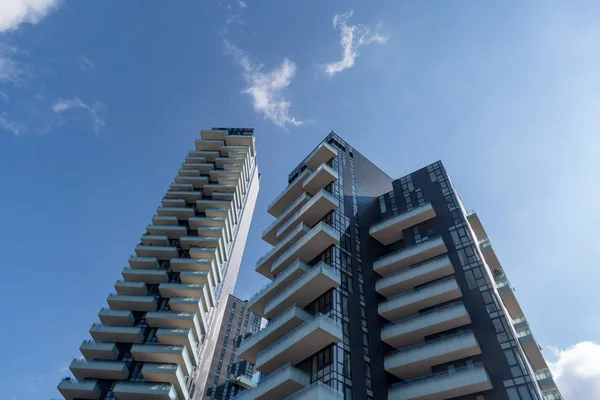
[319, 179]
[322, 154]
[133, 303]
[288, 195]
[313, 243]
[282, 383]
[160, 252]
[151, 276]
[179, 337]
[188, 196]
[197, 182]
[167, 319]
[269, 234]
[419, 274]
[164, 220]
[122, 334]
[143, 262]
[171, 373]
[532, 351]
[191, 305]
[154, 240]
[181, 213]
[507, 294]
[257, 302]
[315, 282]
[317, 391]
[88, 389]
[414, 329]
[170, 231]
[454, 383]
[202, 144]
[158, 353]
[409, 303]
[263, 265]
[404, 258]
[203, 168]
[99, 350]
[144, 391]
[116, 317]
[312, 212]
[131, 288]
[202, 291]
[477, 226]
[390, 230]
[308, 338]
[197, 222]
[414, 361]
[213, 134]
[173, 202]
[82, 369]
[278, 327]
[209, 155]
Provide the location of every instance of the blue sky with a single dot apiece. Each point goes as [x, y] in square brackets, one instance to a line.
[100, 101]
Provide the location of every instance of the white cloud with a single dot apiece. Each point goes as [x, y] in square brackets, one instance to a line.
[95, 110]
[265, 88]
[15, 12]
[242, 4]
[353, 37]
[10, 70]
[10, 126]
[577, 371]
[86, 64]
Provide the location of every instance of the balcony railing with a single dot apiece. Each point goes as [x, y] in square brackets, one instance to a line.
[406, 350]
[436, 375]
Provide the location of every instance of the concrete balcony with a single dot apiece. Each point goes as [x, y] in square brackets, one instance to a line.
[221, 162]
[409, 303]
[269, 234]
[192, 159]
[322, 154]
[122, 334]
[130, 288]
[315, 282]
[202, 291]
[414, 329]
[133, 303]
[163, 354]
[187, 242]
[182, 213]
[180, 187]
[191, 305]
[390, 230]
[257, 302]
[172, 202]
[170, 231]
[309, 338]
[154, 240]
[99, 369]
[182, 320]
[209, 155]
[477, 226]
[116, 317]
[263, 265]
[152, 276]
[197, 277]
[159, 252]
[203, 168]
[87, 389]
[312, 212]
[282, 383]
[99, 350]
[170, 373]
[404, 258]
[200, 265]
[197, 222]
[211, 188]
[245, 381]
[289, 194]
[313, 243]
[190, 172]
[162, 220]
[179, 337]
[204, 204]
[532, 349]
[143, 262]
[197, 182]
[202, 144]
[444, 385]
[489, 255]
[414, 361]
[278, 327]
[552, 394]
[241, 140]
[216, 174]
[144, 391]
[319, 179]
[407, 279]
[188, 196]
[317, 391]
[507, 294]
[213, 134]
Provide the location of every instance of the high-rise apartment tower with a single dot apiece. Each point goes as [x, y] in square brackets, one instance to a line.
[385, 289]
[157, 338]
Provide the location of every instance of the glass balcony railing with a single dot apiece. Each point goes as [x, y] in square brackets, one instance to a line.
[429, 312]
[316, 390]
[551, 395]
[408, 349]
[437, 375]
[543, 374]
[485, 244]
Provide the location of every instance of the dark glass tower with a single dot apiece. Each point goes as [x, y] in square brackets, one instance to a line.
[385, 289]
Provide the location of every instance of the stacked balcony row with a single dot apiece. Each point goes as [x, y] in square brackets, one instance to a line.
[423, 299]
[170, 282]
[298, 235]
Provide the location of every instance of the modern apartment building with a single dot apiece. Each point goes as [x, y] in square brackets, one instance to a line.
[157, 337]
[230, 374]
[385, 289]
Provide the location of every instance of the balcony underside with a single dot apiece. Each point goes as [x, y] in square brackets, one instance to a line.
[408, 256]
[390, 230]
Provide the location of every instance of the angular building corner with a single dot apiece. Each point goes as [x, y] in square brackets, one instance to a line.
[385, 289]
[157, 337]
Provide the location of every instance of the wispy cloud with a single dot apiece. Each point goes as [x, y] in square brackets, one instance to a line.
[242, 4]
[577, 370]
[95, 110]
[10, 126]
[86, 64]
[353, 37]
[265, 88]
[10, 70]
[16, 12]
